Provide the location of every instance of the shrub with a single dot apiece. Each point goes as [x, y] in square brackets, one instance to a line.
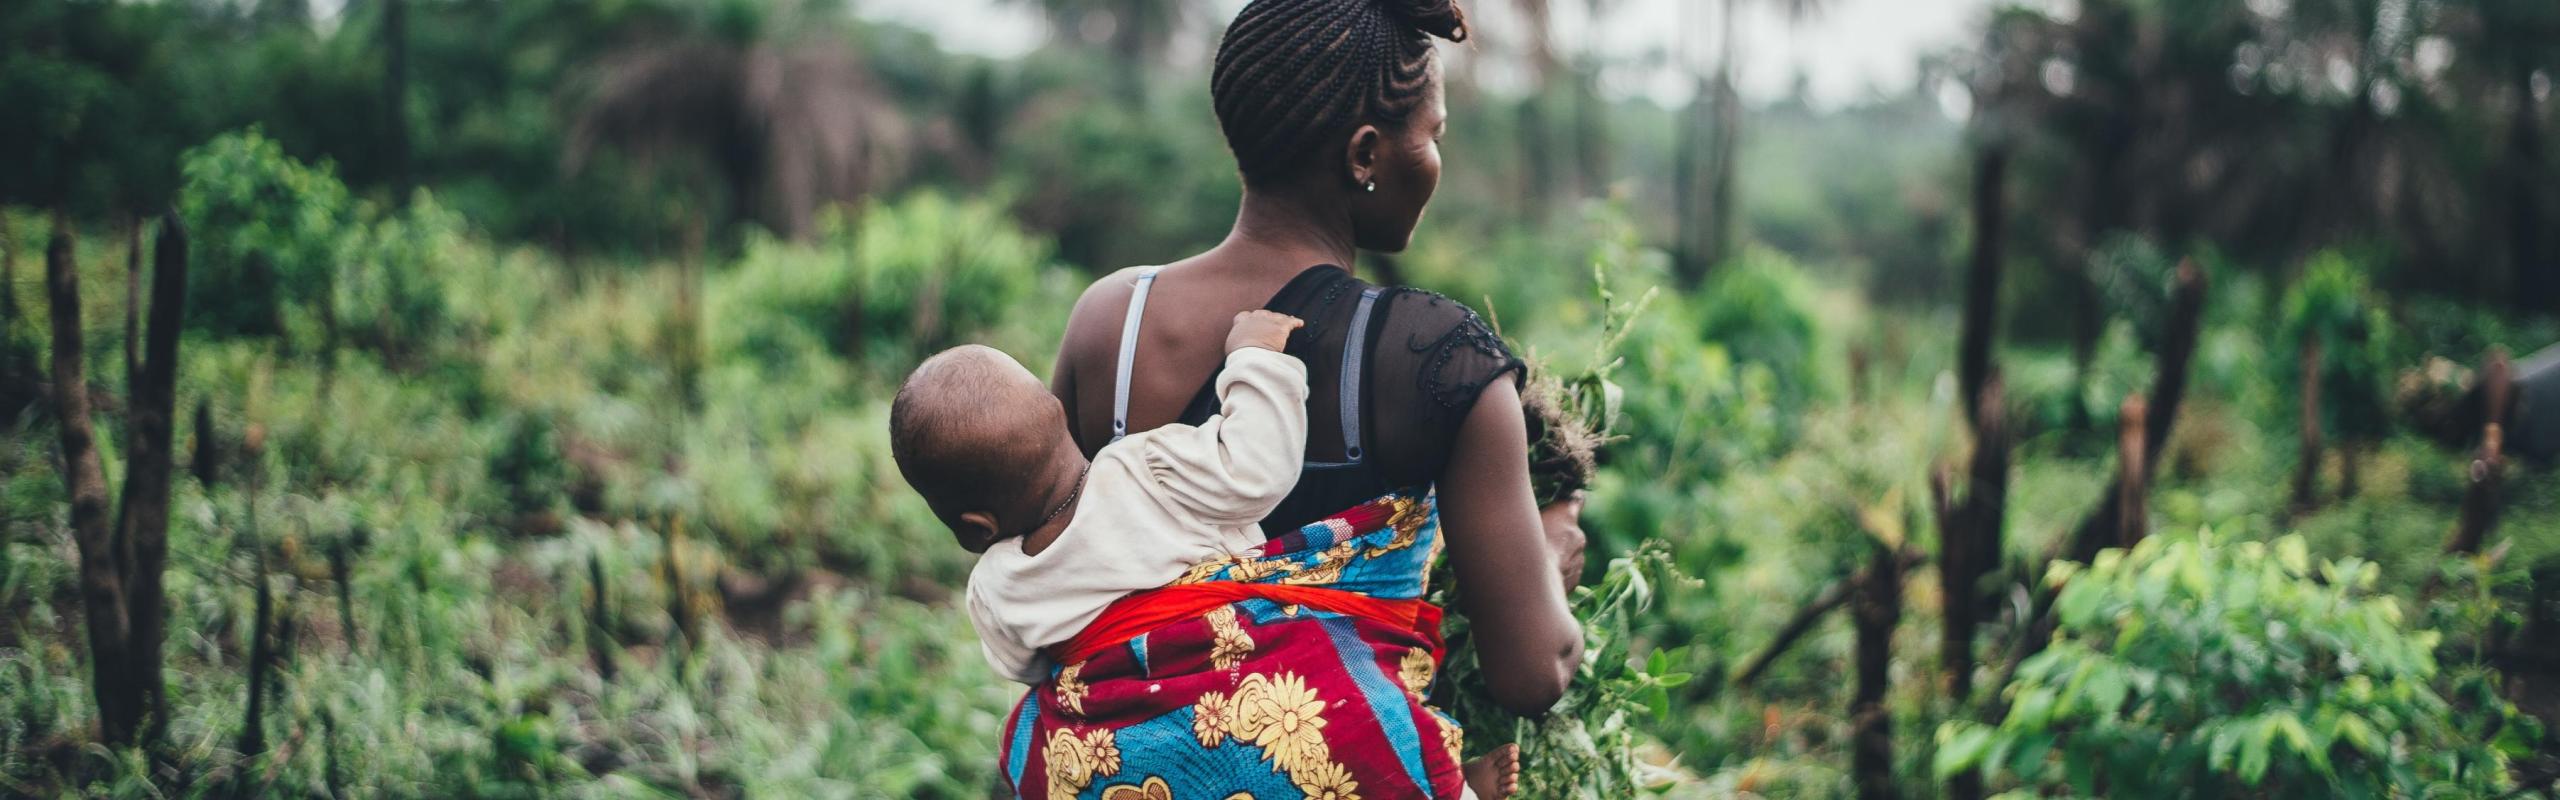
[1761, 309]
[902, 278]
[389, 289]
[2190, 667]
[2335, 304]
[267, 233]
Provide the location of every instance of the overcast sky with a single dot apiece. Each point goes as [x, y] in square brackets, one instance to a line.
[1852, 48]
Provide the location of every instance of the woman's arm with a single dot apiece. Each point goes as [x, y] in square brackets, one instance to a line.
[1526, 637]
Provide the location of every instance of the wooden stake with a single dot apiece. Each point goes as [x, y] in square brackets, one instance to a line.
[1877, 610]
[2487, 470]
[2133, 472]
[2306, 475]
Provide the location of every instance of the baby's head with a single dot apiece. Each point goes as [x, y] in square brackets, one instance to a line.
[983, 441]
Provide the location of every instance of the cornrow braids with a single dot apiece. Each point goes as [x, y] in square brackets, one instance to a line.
[1291, 75]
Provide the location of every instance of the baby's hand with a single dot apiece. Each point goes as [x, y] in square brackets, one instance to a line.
[1268, 330]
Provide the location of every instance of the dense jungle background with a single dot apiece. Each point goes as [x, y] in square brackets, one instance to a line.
[472, 398]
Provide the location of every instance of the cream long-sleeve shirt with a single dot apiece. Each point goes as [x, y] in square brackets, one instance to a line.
[1155, 504]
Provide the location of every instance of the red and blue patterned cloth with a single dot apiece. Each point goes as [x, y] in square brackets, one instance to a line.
[1299, 671]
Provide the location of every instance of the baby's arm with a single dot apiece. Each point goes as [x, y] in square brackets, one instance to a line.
[1236, 467]
[1009, 657]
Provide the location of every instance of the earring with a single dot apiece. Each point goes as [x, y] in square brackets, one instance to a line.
[1371, 187]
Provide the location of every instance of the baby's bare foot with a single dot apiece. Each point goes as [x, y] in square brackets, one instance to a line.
[1496, 775]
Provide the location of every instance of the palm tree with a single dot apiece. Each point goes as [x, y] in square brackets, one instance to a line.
[1139, 31]
[1701, 247]
[782, 126]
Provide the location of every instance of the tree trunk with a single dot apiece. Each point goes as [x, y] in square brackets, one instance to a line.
[8, 273]
[144, 516]
[207, 461]
[132, 299]
[2537, 279]
[2105, 526]
[1590, 130]
[1689, 259]
[1537, 168]
[2133, 465]
[1877, 609]
[599, 621]
[2306, 473]
[1970, 543]
[1720, 210]
[102, 572]
[2480, 501]
[395, 91]
[1834, 596]
[1982, 281]
[253, 725]
[1970, 533]
[2102, 528]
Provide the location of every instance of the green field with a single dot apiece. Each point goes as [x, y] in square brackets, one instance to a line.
[537, 482]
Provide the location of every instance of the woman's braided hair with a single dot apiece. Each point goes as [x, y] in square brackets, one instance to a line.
[1292, 75]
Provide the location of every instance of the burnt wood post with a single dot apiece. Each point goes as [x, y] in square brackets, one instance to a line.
[2133, 473]
[144, 516]
[102, 583]
[2306, 475]
[2101, 529]
[1875, 612]
[1982, 279]
[121, 560]
[2480, 500]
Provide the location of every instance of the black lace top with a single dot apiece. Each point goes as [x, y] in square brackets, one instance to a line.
[1422, 361]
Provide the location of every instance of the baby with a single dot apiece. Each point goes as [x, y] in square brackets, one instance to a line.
[1060, 538]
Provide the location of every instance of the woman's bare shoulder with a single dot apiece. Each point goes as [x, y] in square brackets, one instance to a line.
[1100, 308]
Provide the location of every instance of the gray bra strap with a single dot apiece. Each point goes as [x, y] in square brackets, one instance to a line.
[1354, 348]
[1129, 353]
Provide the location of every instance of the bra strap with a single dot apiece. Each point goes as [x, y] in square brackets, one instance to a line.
[1129, 353]
[1354, 347]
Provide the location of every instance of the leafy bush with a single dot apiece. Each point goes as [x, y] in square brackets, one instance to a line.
[2335, 305]
[267, 233]
[389, 291]
[1760, 308]
[2189, 667]
[902, 278]
[281, 248]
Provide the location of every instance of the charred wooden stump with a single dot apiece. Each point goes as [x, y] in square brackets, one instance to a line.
[2132, 473]
[2306, 474]
[121, 560]
[2481, 499]
[1982, 279]
[1877, 609]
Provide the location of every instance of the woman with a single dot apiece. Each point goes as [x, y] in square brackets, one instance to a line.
[1302, 671]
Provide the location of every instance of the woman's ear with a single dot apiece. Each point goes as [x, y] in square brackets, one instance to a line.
[1360, 156]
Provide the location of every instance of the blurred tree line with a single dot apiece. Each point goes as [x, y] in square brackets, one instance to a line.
[2408, 133]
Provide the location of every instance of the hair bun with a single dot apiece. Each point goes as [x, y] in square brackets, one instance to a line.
[1441, 18]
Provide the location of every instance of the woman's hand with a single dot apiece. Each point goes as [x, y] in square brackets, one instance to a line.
[1563, 521]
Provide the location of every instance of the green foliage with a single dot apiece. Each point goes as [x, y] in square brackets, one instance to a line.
[1761, 309]
[900, 280]
[268, 234]
[391, 293]
[2192, 667]
[1586, 746]
[2334, 304]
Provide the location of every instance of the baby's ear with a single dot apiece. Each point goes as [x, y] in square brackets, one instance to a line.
[976, 530]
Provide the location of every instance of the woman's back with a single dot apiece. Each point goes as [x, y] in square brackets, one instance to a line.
[1392, 371]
